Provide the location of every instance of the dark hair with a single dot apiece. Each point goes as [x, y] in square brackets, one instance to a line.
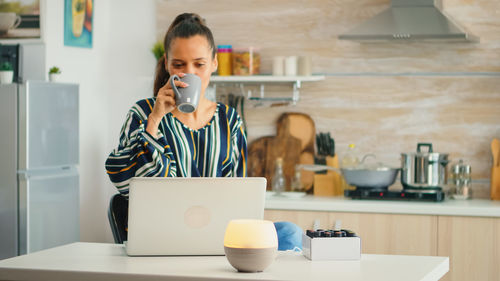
[184, 26]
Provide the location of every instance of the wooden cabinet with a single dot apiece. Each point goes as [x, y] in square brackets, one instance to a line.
[380, 233]
[472, 243]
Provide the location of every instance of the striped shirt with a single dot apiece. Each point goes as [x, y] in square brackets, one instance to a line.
[219, 149]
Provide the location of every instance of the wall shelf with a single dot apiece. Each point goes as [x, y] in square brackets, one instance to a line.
[263, 79]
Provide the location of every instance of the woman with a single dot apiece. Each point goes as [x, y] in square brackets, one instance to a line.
[157, 140]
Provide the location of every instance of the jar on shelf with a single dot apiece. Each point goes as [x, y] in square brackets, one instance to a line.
[246, 61]
[224, 57]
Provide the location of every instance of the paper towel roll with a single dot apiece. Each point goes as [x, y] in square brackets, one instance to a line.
[305, 66]
[278, 66]
[291, 66]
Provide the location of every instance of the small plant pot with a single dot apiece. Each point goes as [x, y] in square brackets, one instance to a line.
[6, 77]
[53, 77]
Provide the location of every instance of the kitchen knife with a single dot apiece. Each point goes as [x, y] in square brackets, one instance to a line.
[318, 144]
[332, 147]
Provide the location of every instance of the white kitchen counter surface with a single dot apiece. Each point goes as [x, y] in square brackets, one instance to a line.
[449, 207]
[103, 262]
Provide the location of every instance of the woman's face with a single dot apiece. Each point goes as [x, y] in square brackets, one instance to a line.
[192, 55]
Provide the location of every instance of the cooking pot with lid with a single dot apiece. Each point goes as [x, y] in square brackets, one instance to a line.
[424, 170]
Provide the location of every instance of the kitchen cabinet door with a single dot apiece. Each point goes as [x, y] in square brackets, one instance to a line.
[304, 219]
[397, 234]
[380, 233]
[473, 245]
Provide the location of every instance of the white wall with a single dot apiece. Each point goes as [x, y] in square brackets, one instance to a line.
[112, 75]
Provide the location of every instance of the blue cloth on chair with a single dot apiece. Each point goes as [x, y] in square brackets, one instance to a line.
[289, 236]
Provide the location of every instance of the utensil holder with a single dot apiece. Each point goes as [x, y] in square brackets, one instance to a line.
[495, 183]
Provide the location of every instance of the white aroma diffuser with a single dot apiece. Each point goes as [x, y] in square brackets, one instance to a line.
[250, 245]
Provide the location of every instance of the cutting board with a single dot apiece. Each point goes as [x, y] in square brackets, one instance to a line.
[262, 155]
[495, 183]
[257, 151]
[294, 143]
[300, 126]
[495, 170]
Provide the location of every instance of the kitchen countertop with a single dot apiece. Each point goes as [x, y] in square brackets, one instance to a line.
[448, 207]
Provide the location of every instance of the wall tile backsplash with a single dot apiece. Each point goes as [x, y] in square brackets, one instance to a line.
[384, 97]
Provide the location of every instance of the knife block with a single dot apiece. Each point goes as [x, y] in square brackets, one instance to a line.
[329, 184]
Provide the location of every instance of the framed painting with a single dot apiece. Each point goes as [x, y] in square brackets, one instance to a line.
[78, 23]
[19, 19]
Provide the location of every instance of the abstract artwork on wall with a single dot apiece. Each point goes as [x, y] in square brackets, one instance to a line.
[78, 26]
[20, 19]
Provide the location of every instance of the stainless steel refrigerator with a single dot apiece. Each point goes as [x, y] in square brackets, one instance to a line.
[39, 157]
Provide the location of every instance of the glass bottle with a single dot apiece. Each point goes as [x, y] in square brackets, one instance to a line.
[296, 182]
[350, 159]
[278, 182]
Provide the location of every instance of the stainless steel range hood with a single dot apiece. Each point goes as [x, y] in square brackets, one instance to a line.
[416, 20]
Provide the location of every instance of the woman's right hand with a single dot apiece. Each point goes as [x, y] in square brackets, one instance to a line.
[165, 103]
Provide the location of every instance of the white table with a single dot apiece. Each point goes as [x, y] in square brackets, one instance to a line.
[95, 261]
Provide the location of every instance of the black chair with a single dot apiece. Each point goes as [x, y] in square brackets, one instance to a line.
[118, 217]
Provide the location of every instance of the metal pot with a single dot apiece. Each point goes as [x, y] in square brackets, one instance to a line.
[424, 170]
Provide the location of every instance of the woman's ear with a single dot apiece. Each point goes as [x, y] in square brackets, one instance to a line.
[215, 64]
[166, 61]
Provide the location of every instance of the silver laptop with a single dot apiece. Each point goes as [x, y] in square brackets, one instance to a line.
[188, 216]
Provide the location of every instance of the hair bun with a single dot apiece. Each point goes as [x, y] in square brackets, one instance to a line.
[188, 17]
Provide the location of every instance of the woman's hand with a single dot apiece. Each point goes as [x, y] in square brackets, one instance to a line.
[165, 103]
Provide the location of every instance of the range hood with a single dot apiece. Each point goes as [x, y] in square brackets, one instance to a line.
[409, 20]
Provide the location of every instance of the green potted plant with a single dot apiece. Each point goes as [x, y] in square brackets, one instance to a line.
[6, 73]
[158, 50]
[54, 74]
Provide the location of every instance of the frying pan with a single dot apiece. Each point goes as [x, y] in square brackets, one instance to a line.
[366, 178]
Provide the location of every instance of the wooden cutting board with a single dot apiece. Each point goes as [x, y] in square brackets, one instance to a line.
[257, 151]
[294, 143]
[495, 170]
[300, 126]
[262, 155]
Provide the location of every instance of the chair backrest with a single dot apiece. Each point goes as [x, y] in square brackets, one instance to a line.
[118, 217]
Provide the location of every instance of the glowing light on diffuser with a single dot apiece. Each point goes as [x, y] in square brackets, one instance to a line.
[250, 245]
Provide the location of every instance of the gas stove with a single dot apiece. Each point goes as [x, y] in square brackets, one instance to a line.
[433, 195]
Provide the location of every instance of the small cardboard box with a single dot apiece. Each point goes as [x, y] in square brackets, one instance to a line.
[331, 248]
